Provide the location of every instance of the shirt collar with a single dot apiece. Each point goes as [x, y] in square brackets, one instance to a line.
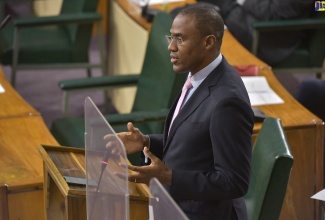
[198, 77]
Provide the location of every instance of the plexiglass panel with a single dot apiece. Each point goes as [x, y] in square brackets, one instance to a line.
[161, 204]
[107, 193]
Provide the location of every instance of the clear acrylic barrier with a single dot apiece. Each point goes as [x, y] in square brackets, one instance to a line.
[107, 195]
[161, 205]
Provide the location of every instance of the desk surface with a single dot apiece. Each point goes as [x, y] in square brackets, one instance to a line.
[291, 112]
[20, 161]
[12, 104]
[22, 130]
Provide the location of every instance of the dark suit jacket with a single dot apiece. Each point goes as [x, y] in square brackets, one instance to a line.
[274, 47]
[209, 147]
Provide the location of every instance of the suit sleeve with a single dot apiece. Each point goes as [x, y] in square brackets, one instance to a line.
[156, 144]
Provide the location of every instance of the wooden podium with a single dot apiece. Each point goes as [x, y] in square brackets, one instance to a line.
[68, 201]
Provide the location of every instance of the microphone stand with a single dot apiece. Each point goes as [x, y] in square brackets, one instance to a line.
[103, 167]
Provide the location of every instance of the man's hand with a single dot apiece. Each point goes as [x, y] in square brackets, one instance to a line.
[156, 169]
[132, 140]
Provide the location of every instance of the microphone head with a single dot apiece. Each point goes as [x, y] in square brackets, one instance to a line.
[105, 159]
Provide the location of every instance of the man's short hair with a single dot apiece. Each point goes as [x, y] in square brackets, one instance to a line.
[207, 20]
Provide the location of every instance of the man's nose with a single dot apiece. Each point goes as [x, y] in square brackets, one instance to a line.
[172, 46]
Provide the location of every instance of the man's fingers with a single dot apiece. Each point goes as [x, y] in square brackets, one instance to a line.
[109, 137]
[130, 126]
[114, 147]
[150, 155]
[133, 168]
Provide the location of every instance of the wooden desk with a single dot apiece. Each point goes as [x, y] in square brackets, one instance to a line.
[12, 104]
[22, 196]
[22, 129]
[68, 201]
[304, 131]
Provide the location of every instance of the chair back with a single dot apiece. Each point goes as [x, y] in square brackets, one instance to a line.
[311, 53]
[79, 34]
[158, 85]
[271, 167]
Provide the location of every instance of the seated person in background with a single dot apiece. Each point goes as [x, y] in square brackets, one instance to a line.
[273, 47]
[311, 94]
[203, 158]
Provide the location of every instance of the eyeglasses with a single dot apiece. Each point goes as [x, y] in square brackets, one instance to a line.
[178, 40]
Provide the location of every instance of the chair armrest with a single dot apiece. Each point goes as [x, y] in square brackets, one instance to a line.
[99, 82]
[292, 24]
[60, 19]
[143, 116]
[284, 25]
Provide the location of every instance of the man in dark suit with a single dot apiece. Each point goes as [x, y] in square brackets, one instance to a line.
[239, 15]
[203, 158]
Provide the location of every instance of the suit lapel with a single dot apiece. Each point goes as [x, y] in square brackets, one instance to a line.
[201, 93]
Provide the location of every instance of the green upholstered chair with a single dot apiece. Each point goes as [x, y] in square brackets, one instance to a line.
[52, 41]
[157, 87]
[309, 57]
[271, 167]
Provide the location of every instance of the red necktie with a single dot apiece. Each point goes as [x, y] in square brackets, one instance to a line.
[186, 87]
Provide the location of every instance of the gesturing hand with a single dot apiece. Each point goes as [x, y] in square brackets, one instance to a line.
[132, 140]
[143, 174]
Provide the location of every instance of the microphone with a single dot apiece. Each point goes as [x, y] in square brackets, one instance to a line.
[5, 21]
[105, 159]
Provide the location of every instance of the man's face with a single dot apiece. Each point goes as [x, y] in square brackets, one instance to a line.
[190, 54]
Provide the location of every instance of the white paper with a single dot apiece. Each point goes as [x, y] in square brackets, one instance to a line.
[259, 91]
[2, 90]
[320, 195]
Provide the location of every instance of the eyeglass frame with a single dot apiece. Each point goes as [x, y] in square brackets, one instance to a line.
[177, 39]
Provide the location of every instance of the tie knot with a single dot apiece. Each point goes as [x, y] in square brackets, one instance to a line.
[188, 84]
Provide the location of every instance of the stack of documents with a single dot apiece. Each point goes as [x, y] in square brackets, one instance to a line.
[259, 91]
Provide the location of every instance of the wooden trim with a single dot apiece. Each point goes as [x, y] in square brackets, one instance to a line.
[319, 169]
[4, 214]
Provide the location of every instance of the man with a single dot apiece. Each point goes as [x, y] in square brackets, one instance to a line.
[203, 157]
[273, 47]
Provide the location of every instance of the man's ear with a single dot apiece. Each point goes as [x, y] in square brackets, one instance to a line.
[210, 42]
